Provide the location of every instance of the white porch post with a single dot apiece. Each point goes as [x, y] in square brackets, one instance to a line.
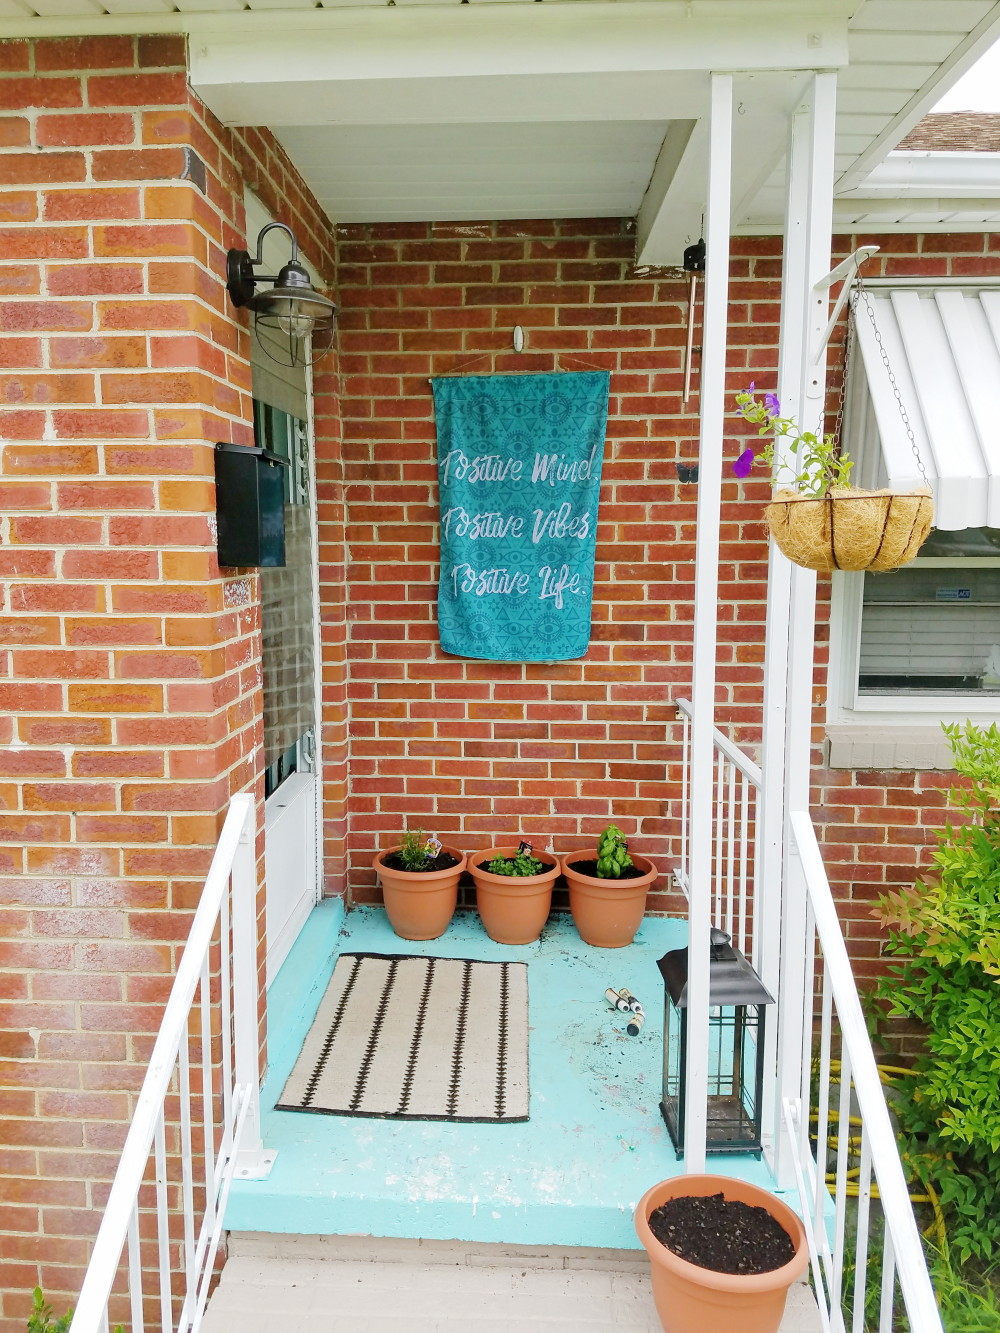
[791, 609]
[713, 402]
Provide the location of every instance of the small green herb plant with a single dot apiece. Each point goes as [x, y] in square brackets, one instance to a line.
[520, 865]
[414, 851]
[945, 934]
[612, 853]
[808, 462]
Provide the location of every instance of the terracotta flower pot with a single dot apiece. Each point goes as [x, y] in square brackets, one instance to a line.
[690, 1299]
[850, 528]
[513, 908]
[607, 912]
[420, 905]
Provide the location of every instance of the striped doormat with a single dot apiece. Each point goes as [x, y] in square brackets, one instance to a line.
[402, 1037]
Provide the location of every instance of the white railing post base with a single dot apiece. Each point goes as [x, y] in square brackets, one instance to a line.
[254, 1163]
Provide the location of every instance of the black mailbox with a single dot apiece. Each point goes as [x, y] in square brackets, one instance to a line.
[250, 506]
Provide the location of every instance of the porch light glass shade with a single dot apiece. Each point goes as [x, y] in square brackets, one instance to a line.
[737, 1016]
[292, 304]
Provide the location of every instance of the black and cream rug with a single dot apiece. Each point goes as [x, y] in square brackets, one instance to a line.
[417, 1038]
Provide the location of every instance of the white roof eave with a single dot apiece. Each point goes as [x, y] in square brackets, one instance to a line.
[931, 175]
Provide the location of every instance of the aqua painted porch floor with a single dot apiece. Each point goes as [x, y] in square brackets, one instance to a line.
[571, 1175]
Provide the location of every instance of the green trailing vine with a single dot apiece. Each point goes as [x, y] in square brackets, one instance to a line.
[612, 853]
[945, 940]
[811, 463]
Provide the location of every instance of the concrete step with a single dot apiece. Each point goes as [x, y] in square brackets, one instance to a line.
[361, 1284]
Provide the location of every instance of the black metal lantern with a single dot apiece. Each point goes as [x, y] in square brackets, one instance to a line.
[737, 1000]
[290, 312]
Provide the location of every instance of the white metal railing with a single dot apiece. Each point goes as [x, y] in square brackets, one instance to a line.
[735, 880]
[850, 1177]
[197, 1117]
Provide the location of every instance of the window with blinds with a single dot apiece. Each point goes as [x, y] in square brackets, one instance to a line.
[933, 627]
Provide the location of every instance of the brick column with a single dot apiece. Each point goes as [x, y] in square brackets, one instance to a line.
[130, 666]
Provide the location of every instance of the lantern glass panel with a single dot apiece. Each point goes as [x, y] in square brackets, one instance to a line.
[674, 1046]
[733, 1097]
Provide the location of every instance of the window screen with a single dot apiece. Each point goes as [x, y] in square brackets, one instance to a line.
[934, 629]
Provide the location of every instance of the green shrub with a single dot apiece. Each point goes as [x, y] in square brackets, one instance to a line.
[612, 853]
[945, 932]
[41, 1320]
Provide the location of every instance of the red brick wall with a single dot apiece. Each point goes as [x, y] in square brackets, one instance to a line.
[477, 750]
[129, 666]
[473, 750]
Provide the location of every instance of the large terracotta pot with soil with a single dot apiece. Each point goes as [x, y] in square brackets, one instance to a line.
[849, 528]
[607, 911]
[514, 908]
[700, 1215]
[420, 904]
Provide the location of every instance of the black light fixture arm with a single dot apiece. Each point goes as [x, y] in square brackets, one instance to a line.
[275, 226]
[241, 280]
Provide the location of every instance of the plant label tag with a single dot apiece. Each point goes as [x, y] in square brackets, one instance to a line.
[433, 846]
[524, 849]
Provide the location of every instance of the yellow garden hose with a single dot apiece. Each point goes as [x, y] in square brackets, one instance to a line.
[888, 1075]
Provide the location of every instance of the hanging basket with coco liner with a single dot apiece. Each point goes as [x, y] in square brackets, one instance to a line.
[821, 522]
[849, 528]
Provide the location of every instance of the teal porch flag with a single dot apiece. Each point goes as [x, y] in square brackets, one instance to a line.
[519, 470]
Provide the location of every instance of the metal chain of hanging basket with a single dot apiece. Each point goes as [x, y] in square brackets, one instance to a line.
[838, 426]
[860, 293]
[855, 529]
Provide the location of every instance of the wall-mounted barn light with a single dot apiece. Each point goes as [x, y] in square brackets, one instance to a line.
[287, 314]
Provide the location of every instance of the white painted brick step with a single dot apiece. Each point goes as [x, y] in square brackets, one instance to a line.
[357, 1284]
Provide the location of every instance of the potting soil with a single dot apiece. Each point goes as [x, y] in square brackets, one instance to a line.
[443, 861]
[722, 1234]
[590, 868]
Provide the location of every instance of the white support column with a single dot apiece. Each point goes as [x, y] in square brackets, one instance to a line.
[791, 611]
[770, 829]
[706, 596]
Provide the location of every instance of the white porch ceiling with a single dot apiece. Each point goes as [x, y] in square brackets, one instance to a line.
[426, 109]
[460, 172]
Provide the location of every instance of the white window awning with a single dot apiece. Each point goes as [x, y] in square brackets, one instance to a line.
[942, 344]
